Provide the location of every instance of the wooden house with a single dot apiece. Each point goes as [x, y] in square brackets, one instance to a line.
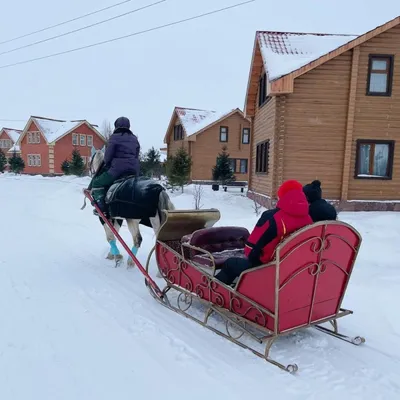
[327, 107]
[204, 133]
[45, 143]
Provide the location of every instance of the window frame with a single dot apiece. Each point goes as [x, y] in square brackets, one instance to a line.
[75, 135]
[234, 160]
[243, 130]
[91, 140]
[227, 134]
[389, 72]
[247, 166]
[265, 160]
[389, 168]
[82, 136]
[178, 132]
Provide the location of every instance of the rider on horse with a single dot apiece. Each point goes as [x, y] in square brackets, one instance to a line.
[121, 159]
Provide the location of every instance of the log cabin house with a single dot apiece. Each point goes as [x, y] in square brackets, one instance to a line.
[327, 107]
[204, 133]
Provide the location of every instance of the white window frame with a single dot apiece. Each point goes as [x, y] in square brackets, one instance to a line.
[29, 137]
[34, 160]
[82, 139]
[38, 158]
[37, 137]
[89, 139]
[75, 136]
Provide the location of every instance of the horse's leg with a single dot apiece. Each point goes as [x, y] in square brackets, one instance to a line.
[133, 226]
[114, 253]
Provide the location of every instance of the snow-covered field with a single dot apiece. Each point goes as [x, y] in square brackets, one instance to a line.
[73, 327]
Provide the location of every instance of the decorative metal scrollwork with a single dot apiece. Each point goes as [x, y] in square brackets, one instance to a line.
[237, 304]
[186, 299]
[320, 245]
[316, 269]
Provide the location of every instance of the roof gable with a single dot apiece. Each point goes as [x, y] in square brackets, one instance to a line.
[286, 56]
[53, 130]
[13, 134]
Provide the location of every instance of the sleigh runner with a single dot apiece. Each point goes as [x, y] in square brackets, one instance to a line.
[303, 287]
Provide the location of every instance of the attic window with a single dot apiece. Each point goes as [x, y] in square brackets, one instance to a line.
[178, 132]
[223, 133]
[262, 90]
[380, 75]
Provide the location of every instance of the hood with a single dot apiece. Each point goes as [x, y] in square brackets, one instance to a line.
[313, 191]
[294, 202]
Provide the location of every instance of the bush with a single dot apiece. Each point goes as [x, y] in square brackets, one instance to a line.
[16, 163]
[76, 166]
[3, 161]
[65, 167]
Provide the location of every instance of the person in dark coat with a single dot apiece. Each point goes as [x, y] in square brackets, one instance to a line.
[121, 159]
[320, 209]
[290, 214]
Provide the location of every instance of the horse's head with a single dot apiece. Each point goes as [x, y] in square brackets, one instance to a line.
[97, 158]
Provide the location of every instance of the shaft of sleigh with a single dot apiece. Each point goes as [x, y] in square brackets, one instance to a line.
[154, 285]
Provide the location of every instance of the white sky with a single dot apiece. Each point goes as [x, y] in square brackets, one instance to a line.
[199, 64]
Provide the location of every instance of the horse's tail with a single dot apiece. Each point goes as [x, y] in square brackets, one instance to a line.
[164, 203]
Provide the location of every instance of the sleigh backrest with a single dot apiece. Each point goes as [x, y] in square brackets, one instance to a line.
[308, 279]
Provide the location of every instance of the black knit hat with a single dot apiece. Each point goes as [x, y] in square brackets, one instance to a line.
[122, 122]
[313, 191]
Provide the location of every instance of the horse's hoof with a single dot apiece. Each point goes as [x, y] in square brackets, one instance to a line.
[110, 256]
[131, 263]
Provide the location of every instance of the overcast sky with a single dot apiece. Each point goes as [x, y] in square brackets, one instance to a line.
[199, 64]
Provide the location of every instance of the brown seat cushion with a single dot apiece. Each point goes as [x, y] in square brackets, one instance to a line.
[222, 242]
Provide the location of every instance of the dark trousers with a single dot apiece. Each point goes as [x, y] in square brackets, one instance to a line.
[232, 268]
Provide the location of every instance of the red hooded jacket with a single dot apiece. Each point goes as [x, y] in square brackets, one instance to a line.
[290, 214]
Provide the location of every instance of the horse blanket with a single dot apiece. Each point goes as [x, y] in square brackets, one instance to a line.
[134, 198]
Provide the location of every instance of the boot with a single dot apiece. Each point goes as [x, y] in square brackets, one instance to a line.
[99, 198]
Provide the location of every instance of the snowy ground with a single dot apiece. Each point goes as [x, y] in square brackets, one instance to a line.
[75, 328]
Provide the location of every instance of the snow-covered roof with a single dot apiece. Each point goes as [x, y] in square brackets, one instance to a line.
[15, 148]
[285, 52]
[13, 134]
[194, 120]
[54, 129]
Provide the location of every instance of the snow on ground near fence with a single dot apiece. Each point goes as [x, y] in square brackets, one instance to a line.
[74, 327]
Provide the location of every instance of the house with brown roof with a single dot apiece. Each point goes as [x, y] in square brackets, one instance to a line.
[8, 141]
[204, 133]
[327, 107]
[45, 143]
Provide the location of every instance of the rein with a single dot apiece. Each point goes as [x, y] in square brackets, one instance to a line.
[94, 174]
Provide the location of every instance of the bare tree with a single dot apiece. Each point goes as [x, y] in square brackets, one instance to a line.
[197, 196]
[257, 207]
[106, 129]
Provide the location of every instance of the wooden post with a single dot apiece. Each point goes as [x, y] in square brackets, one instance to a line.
[350, 124]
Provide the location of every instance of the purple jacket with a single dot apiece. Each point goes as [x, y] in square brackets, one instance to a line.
[122, 154]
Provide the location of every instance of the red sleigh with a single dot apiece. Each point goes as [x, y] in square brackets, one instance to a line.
[303, 287]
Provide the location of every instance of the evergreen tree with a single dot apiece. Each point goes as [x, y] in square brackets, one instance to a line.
[222, 171]
[77, 166]
[65, 167]
[143, 165]
[16, 163]
[3, 161]
[152, 162]
[178, 168]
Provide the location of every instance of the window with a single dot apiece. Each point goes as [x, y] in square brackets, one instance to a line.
[178, 132]
[33, 137]
[5, 143]
[223, 134]
[243, 166]
[75, 139]
[246, 136]
[34, 160]
[82, 139]
[374, 159]
[29, 137]
[380, 75]
[262, 90]
[90, 140]
[232, 164]
[262, 157]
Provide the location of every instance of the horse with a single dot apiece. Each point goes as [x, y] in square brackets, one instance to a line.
[164, 203]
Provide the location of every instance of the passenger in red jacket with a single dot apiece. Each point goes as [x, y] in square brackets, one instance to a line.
[290, 214]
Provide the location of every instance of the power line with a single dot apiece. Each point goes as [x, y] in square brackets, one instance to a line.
[66, 22]
[83, 28]
[126, 36]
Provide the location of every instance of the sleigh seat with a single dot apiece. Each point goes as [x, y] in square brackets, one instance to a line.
[218, 245]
